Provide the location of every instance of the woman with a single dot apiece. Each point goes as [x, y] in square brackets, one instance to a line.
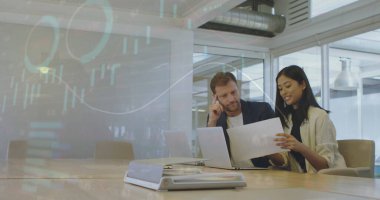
[309, 133]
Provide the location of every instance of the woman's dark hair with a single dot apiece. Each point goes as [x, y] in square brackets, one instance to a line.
[282, 110]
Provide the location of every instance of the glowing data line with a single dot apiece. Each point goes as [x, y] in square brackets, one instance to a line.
[136, 47]
[103, 71]
[189, 23]
[4, 103]
[67, 87]
[15, 94]
[162, 4]
[54, 74]
[32, 93]
[26, 95]
[23, 75]
[60, 73]
[73, 99]
[107, 10]
[45, 125]
[148, 30]
[12, 81]
[92, 83]
[125, 45]
[82, 92]
[113, 73]
[38, 94]
[73, 90]
[175, 11]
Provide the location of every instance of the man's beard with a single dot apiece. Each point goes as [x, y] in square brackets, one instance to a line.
[229, 109]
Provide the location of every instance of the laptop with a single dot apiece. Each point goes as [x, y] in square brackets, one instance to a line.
[177, 144]
[214, 148]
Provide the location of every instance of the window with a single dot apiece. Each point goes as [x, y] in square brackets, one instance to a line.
[355, 112]
[248, 71]
[252, 79]
[319, 7]
[310, 61]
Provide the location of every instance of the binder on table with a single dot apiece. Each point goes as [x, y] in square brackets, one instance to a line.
[168, 174]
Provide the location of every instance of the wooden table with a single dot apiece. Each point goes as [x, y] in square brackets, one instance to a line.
[103, 179]
[62, 168]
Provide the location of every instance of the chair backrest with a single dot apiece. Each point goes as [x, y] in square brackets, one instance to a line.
[17, 149]
[30, 148]
[109, 149]
[358, 153]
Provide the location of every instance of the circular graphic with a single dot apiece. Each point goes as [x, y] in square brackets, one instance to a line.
[55, 25]
[107, 30]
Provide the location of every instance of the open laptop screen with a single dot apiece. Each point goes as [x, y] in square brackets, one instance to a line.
[177, 144]
[213, 147]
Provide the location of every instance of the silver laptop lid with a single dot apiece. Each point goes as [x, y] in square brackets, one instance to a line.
[177, 144]
[213, 147]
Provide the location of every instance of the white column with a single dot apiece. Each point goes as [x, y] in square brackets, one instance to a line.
[325, 87]
[274, 71]
[268, 83]
[359, 98]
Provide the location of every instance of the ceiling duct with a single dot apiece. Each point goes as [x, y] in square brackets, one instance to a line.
[346, 80]
[248, 22]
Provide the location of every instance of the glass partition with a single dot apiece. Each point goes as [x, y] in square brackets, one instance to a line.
[248, 71]
[70, 89]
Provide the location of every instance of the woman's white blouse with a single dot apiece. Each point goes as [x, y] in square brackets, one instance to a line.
[318, 133]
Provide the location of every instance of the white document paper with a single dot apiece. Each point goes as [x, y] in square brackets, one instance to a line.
[255, 139]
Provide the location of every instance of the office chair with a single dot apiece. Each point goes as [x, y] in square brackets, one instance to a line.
[109, 149]
[30, 148]
[17, 149]
[359, 156]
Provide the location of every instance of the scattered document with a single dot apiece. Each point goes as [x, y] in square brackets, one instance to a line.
[255, 139]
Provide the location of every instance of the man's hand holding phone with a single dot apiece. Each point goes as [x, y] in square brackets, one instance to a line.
[215, 110]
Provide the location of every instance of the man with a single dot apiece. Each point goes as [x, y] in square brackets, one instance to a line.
[228, 110]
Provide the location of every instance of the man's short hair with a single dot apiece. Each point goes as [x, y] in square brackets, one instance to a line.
[221, 79]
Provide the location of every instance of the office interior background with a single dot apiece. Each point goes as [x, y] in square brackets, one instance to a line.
[75, 72]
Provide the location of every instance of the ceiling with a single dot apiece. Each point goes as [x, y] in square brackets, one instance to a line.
[175, 13]
[185, 14]
[166, 8]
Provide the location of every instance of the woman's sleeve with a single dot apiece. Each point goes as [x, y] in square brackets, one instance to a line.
[285, 157]
[326, 144]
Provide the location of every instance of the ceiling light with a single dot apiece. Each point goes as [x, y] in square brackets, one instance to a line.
[346, 80]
